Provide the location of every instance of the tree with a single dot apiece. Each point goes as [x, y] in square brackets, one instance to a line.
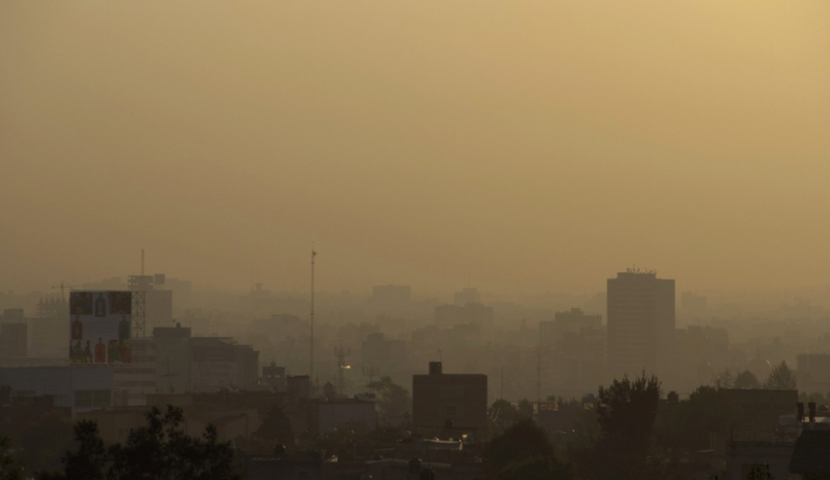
[276, 427]
[747, 380]
[89, 461]
[394, 401]
[724, 380]
[43, 440]
[780, 378]
[626, 413]
[161, 451]
[504, 414]
[503, 411]
[11, 467]
[689, 427]
[523, 451]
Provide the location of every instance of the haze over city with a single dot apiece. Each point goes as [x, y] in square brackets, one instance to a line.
[414, 240]
[521, 146]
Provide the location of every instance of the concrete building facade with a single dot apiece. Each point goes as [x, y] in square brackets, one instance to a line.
[641, 322]
[458, 401]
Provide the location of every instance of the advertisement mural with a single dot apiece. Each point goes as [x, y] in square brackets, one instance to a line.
[100, 327]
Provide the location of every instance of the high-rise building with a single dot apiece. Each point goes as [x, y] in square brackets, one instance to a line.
[641, 321]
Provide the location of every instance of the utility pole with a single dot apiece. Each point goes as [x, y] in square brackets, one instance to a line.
[311, 369]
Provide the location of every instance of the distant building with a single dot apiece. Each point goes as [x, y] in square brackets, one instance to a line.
[391, 295]
[813, 372]
[468, 295]
[475, 313]
[453, 403]
[641, 320]
[571, 321]
[281, 327]
[202, 364]
[692, 305]
[14, 340]
[746, 457]
[388, 357]
[80, 389]
[328, 415]
[811, 455]
[759, 412]
[159, 308]
[273, 376]
[220, 363]
[172, 359]
[132, 382]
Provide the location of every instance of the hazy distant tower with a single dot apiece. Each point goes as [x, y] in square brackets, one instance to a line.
[640, 322]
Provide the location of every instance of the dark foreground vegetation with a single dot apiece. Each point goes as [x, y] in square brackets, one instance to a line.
[624, 432]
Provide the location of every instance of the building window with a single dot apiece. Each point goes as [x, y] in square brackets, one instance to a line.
[451, 410]
[452, 391]
[93, 399]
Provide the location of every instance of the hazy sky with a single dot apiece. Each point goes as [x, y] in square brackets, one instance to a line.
[507, 144]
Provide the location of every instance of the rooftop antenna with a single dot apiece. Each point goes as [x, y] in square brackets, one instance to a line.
[311, 346]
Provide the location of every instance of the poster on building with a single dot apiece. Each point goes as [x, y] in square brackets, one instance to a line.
[100, 325]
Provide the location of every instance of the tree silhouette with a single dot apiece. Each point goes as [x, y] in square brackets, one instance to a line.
[747, 380]
[523, 451]
[161, 451]
[394, 400]
[11, 468]
[626, 413]
[780, 378]
[276, 427]
[91, 459]
[42, 440]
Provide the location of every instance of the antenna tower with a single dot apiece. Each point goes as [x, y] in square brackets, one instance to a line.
[538, 374]
[311, 345]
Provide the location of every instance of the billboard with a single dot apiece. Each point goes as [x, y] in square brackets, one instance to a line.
[100, 327]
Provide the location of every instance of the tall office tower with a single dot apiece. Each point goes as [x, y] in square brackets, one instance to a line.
[640, 323]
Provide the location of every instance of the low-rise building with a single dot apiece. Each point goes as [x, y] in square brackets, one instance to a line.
[79, 388]
[453, 403]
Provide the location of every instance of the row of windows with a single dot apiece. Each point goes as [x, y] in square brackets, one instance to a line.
[451, 410]
[93, 398]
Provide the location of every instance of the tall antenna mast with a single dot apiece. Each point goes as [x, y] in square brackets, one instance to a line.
[538, 374]
[142, 262]
[311, 369]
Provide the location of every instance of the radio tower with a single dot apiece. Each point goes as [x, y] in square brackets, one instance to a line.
[311, 369]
